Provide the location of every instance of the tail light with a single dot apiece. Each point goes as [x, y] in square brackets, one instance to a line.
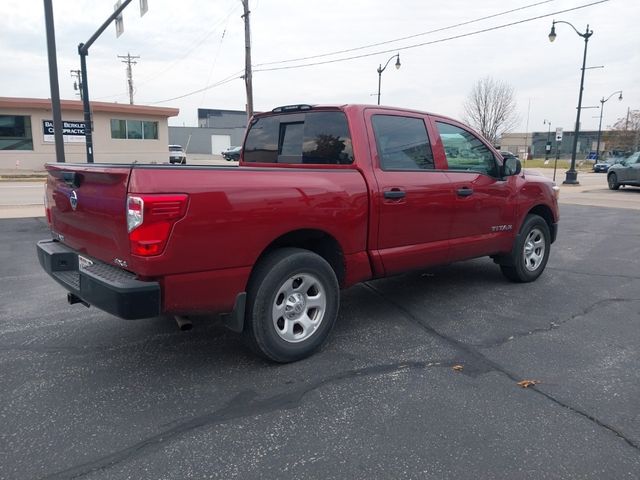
[150, 219]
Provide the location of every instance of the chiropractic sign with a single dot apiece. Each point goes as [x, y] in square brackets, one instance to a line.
[72, 131]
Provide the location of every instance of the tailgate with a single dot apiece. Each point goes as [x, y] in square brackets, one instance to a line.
[87, 207]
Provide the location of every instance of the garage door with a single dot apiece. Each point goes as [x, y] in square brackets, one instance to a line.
[220, 143]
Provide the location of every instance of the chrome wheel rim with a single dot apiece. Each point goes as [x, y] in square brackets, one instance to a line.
[299, 307]
[534, 248]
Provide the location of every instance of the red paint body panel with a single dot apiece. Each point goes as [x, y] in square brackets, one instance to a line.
[234, 214]
[96, 226]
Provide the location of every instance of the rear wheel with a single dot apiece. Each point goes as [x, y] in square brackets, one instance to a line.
[292, 304]
[530, 253]
[612, 180]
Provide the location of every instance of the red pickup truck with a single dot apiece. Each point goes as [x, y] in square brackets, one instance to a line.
[324, 197]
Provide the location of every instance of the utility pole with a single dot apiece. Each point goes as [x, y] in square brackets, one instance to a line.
[247, 58]
[77, 82]
[129, 61]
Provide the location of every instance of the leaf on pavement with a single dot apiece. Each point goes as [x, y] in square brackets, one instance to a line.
[528, 383]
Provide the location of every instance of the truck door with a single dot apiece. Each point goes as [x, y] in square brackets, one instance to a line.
[414, 199]
[485, 204]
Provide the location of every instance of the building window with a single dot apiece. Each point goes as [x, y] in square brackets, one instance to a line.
[15, 132]
[150, 130]
[134, 129]
[118, 128]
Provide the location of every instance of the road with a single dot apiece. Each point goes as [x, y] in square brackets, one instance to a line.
[86, 395]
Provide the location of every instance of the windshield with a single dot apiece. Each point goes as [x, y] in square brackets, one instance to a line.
[175, 148]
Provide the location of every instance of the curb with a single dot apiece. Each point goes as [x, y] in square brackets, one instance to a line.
[23, 178]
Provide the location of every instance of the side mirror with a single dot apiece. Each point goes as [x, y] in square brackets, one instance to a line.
[511, 166]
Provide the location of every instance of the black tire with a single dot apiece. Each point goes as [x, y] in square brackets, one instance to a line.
[612, 180]
[292, 304]
[530, 252]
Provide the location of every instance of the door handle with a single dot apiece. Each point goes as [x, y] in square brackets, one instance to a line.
[465, 191]
[394, 194]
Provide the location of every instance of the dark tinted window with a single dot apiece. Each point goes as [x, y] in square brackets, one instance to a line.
[15, 132]
[262, 141]
[465, 151]
[291, 135]
[311, 138]
[402, 143]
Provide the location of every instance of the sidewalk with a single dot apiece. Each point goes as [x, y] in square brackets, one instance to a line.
[592, 190]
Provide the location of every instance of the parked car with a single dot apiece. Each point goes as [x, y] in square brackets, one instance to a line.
[324, 197]
[232, 153]
[626, 172]
[177, 155]
[602, 166]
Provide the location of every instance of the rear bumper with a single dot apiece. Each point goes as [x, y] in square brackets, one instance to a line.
[109, 288]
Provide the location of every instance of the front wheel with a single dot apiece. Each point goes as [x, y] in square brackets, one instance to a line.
[530, 252]
[612, 180]
[292, 304]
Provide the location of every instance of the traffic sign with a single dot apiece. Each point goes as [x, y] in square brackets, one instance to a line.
[559, 134]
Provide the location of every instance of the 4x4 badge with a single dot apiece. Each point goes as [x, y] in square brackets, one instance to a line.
[73, 199]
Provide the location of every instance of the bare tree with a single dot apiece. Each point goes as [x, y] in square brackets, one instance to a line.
[490, 108]
[624, 135]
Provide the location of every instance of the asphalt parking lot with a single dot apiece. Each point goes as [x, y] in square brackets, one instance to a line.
[86, 395]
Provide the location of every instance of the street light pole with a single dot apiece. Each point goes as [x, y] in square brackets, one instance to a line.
[571, 176]
[547, 147]
[83, 51]
[382, 69]
[602, 102]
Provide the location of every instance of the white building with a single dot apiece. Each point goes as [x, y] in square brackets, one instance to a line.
[122, 133]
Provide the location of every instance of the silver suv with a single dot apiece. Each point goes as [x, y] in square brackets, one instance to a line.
[177, 154]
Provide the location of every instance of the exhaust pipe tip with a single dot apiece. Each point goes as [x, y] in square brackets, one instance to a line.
[184, 323]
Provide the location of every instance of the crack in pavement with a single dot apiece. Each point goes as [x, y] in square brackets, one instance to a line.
[478, 356]
[553, 325]
[242, 405]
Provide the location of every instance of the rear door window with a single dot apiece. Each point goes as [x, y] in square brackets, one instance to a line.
[305, 138]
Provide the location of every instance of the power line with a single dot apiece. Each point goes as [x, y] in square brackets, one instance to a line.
[188, 52]
[193, 46]
[405, 38]
[454, 37]
[213, 64]
[354, 57]
[230, 78]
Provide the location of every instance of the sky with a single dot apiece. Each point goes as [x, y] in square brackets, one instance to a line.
[187, 45]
